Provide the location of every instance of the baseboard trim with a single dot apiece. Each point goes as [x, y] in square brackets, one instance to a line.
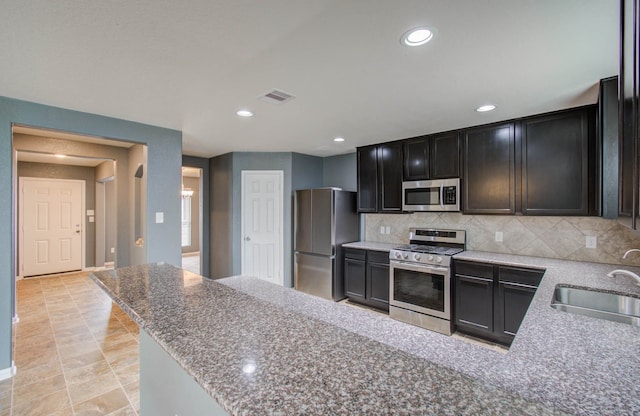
[8, 372]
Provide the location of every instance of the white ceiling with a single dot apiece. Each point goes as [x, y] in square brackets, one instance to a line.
[191, 65]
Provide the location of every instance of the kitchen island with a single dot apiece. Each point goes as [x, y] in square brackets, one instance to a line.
[257, 348]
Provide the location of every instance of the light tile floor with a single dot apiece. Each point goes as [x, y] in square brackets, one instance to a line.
[76, 352]
[191, 262]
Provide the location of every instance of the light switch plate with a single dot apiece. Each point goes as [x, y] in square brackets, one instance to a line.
[90, 212]
[499, 236]
[382, 229]
[592, 241]
[92, 219]
[159, 217]
[387, 230]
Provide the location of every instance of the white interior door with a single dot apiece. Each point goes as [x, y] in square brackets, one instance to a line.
[51, 225]
[262, 228]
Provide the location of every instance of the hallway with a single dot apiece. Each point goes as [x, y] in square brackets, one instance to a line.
[75, 351]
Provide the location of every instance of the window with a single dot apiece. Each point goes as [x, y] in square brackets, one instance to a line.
[186, 220]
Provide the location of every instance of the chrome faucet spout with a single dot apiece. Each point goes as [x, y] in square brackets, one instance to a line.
[629, 251]
[622, 272]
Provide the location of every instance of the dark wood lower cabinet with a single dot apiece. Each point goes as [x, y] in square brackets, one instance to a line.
[366, 274]
[476, 315]
[355, 280]
[491, 300]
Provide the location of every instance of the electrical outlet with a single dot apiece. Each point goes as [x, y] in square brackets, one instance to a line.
[113, 250]
[592, 241]
[499, 236]
[387, 230]
[159, 217]
[382, 229]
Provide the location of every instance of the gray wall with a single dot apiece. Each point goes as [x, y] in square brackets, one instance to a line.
[221, 191]
[306, 172]
[300, 172]
[122, 180]
[110, 220]
[340, 171]
[138, 204]
[262, 161]
[87, 174]
[164, 160]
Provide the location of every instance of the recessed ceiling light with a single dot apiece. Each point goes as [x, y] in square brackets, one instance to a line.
[485, 108]
[244, 113]
[338, 139]
[417, 36]
[59, 156]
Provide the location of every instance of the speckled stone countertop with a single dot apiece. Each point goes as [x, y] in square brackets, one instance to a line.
[371, 245]
[305, 363]
[318, 357]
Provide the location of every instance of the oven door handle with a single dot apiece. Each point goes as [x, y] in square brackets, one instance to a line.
[417, 267]
[442, 196]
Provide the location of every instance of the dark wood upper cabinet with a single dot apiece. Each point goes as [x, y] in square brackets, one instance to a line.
[367, 179]
[380, 178]
[390, 177]
[416, 159]
[432, 157]
[555, 164]
[445, 156]
[489, 170]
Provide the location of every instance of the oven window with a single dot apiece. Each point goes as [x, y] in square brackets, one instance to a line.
[422, 196]
[421, 289]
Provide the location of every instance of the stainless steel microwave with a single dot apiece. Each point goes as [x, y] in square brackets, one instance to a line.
[432, 195]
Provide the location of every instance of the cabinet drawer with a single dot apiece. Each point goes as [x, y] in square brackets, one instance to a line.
[525, 276]
[468, 268]
[378, 257]
[354, 253]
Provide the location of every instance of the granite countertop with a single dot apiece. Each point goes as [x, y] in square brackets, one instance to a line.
[371, 245]
[319, 357]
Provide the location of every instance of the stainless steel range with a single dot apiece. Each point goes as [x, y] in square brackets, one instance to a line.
[420, 278]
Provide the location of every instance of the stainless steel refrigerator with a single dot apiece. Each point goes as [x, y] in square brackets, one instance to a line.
[324, 219]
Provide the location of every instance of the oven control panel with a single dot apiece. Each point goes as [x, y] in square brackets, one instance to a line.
[420, 258]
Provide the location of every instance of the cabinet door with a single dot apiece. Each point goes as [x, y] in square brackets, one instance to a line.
[390, 177]
[355, 278]
[474, 304]
[416, 159]
[444, 158]
[378, 285]
[555, 164]
[367, 179]
[513, 301]
[489, 170]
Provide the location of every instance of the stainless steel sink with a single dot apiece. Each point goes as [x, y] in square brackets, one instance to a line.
[597, 304]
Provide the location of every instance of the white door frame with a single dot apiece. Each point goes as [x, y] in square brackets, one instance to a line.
[83, 240]
[280, 175]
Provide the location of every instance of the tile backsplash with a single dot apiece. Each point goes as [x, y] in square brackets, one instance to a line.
[553, 237]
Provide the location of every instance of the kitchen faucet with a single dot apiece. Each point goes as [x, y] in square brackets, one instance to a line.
[626, 272]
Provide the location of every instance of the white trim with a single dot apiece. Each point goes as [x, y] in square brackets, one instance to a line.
[8, 372]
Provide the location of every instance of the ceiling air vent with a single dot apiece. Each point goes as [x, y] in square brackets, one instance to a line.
[277, 97]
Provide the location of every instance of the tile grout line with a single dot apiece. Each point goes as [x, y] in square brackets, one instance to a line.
[55, 339]
[105, 357]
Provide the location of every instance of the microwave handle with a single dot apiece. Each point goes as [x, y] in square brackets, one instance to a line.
[442, 196]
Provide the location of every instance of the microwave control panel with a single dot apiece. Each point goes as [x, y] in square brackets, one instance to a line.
[449, 195]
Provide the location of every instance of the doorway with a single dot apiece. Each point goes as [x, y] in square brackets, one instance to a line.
[262, 225]
[51, 226]
[192, 219]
